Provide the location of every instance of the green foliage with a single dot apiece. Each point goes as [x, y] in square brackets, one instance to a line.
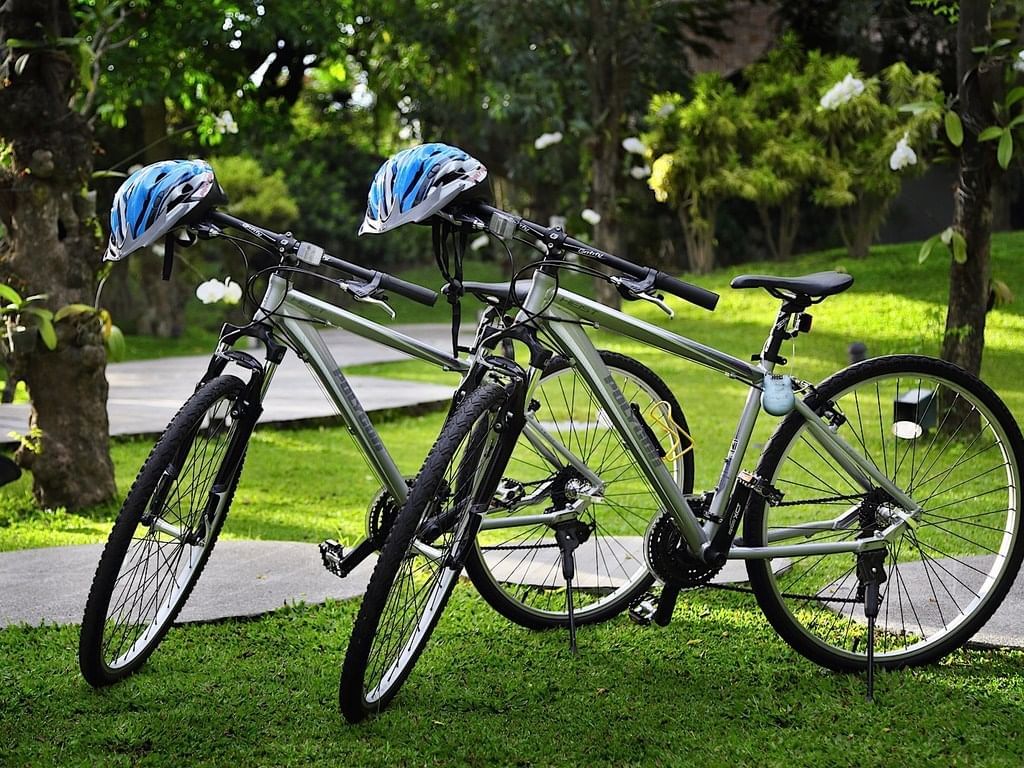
[861, 134]
[697, 145]
[21, 316]
[948, 9]
[254, 194]
[780, 139]
[952, 239]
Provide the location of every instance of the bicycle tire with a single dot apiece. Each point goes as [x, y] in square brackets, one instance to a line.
[376, 663]
[967, 554]
[613, 562]
[188, 443]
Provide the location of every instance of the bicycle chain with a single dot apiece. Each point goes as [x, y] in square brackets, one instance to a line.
[822, 500]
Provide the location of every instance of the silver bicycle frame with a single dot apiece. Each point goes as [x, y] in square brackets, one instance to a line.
[296, 315]
[550, 306]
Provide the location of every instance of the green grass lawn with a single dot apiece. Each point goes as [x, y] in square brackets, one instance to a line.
[717, 687]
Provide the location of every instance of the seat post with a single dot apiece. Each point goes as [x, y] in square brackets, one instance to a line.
[770, 356]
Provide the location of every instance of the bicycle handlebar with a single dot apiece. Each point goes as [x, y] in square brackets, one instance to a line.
[314, 255]
[681, 289]
[387, 281]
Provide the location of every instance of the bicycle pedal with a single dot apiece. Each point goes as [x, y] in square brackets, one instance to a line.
[332, 554]
[642, 611]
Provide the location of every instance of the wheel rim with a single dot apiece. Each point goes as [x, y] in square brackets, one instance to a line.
[952, 456]
[523, 562]
[163, 555]
[427, 572]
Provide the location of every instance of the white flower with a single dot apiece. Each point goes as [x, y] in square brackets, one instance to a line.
[590, 216]
[840, 93]
[903, 155]
[479, 242]
[232, 292]
[640, 171]
[1018, 63]
[211, 291]
[634, 146]
[666, 109]
[545, 140]
[225, 123]
[947, 236]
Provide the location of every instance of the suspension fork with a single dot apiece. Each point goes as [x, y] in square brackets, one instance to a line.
[504, 434]
[245, 411]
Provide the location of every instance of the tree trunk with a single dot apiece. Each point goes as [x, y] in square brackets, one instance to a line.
[606, 232]
[789, 226]
[700, 241]
[607, 86]
[859, 223]
[972, 204]
[54, 238]
[765, 214]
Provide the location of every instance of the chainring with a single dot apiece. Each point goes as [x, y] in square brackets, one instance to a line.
[381, 514]
[668, 558]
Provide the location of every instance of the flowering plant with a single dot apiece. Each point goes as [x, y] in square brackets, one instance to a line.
[213, 291]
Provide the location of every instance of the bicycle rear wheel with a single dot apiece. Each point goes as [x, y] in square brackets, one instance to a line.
[164, 534]
[944, 438]
[421, 559]
[516, 569]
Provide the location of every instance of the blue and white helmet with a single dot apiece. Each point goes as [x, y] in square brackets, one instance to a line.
[155, 199]
[416, 183]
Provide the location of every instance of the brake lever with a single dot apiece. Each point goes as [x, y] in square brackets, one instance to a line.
[363, 292]
[656, 299]
[628, 289]
[383, 304]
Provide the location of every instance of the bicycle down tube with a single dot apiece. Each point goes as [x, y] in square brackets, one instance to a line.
[296, 314]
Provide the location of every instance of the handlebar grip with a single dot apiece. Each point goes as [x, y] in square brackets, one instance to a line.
[410, 290]
[687, 291]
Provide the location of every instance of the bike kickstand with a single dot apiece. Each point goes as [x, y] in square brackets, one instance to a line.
[568, 540]
[571, 611]
[871, 573]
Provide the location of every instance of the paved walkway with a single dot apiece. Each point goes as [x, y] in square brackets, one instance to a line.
[145, 394]
[247, 578]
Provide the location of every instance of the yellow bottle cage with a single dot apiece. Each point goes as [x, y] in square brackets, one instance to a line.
[660, 413]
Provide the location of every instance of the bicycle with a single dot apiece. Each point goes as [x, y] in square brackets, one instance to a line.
[881, 526]
[170, 520]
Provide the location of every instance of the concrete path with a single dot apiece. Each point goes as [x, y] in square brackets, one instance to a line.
[242, 578]
[246, 578]
[145, 394]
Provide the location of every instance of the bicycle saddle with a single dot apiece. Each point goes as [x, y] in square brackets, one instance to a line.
[816, 286]
[497, 293]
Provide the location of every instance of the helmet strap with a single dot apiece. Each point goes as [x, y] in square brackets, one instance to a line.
[449, 250]
[169, 242]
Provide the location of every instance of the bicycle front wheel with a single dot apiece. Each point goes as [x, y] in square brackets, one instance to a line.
[517, 568]
[164, 534]
[421, 558]
[945, 439]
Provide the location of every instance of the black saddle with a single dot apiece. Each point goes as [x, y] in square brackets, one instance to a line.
[814, 286]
